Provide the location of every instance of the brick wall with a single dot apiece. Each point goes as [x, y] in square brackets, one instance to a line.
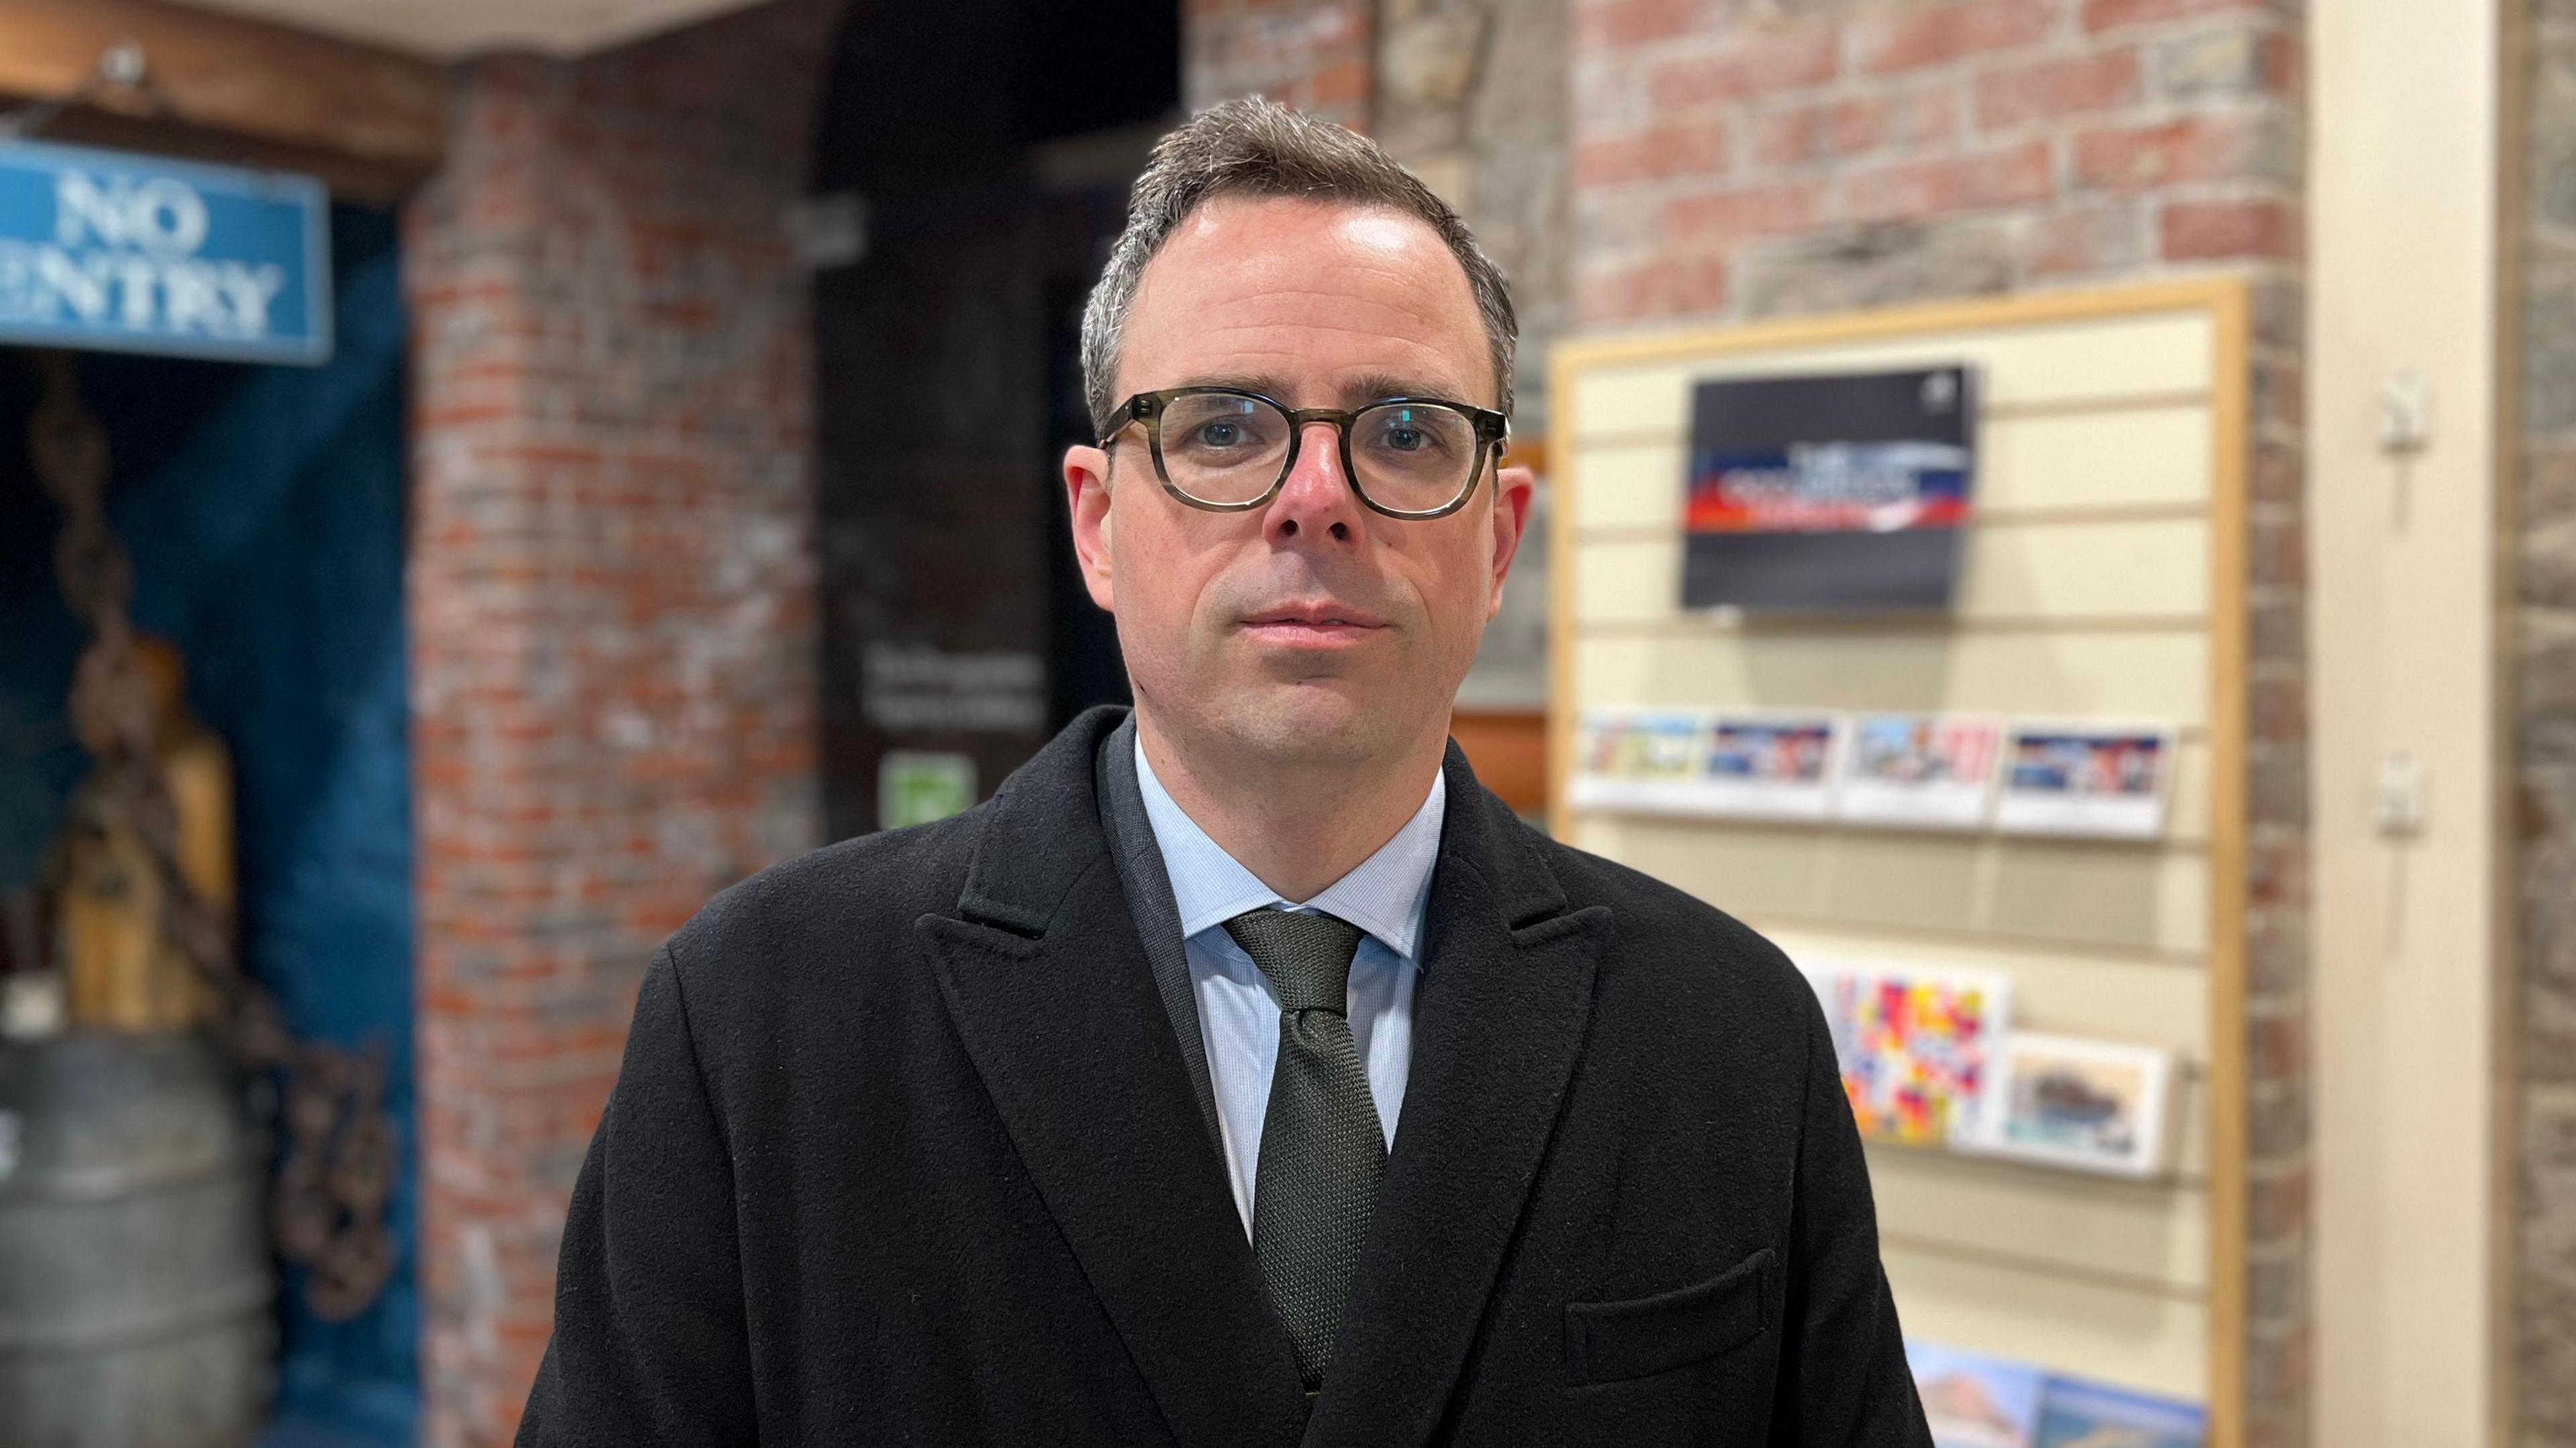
[1471, 94]
[1316, 55]
[2544, 760]
[1734, 162]
[611, 610]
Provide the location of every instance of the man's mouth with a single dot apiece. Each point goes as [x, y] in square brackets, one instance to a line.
[1313, 625]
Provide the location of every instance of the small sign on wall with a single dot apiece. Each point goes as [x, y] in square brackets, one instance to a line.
[108, 251]
[1843, 492]
[916, 787]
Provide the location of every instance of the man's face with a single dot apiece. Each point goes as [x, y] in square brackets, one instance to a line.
[1312, 629]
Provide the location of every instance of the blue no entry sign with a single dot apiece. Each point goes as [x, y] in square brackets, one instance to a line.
[118, 252]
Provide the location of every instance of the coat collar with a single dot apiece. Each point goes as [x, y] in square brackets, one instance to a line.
[1044, 972]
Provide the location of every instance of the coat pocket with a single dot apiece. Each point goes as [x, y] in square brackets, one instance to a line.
[1609, 1341]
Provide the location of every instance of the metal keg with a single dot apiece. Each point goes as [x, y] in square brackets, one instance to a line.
[134, 1270]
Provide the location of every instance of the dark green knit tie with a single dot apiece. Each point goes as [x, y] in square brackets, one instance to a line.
[1322, 1149]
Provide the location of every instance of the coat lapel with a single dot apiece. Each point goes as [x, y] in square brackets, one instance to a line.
[1046, 978]
[1499, 1018]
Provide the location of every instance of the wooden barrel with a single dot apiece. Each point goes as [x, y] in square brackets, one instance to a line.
[134, 1271]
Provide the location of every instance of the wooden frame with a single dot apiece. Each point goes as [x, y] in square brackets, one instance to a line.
[2224, 302]
[370, 122]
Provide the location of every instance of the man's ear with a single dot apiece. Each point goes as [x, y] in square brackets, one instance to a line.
[1086, 496]
[1513, 489]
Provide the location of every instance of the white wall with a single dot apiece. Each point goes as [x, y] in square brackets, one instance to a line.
[2404, 242]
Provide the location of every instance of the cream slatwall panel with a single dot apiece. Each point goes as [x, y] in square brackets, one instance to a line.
[2085, 592]
[2071, 571]
[2160, 674]
[2113, 362]
[2154, 1236]
[2153, 457]
[1941, 882]
[2100, 1329]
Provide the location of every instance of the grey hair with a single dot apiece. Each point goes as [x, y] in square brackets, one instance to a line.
[1257, 147]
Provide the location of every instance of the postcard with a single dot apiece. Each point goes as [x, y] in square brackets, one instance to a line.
[2107, 781]
[1912, 1045]
[2097, 1106]
[1926, 770]
[2077, 1414]
[1768, 766]
[1630, 759]
[1974, 1401]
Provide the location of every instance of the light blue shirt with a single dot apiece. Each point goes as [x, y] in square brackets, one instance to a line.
[1385, 896]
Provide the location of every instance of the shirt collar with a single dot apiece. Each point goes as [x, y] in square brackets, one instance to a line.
[1384, 894]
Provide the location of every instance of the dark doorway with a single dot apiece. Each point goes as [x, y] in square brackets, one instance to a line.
[263, 509]
[977, 156]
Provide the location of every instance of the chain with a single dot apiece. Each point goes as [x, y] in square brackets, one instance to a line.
[328, 1211]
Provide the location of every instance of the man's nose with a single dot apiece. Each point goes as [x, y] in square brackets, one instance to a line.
[1317, 501]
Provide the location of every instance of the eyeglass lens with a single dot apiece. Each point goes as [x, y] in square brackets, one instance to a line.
[1412, 457]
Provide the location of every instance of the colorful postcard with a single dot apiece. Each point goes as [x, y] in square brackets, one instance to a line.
[1927, 770]
[1974, 1401]
[1636, 760]
[2108, 781]
[1913, 1045]
[2097, 1106]
[2077, 1414]
[1768, 766]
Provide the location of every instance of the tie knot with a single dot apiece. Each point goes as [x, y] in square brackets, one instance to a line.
[1307, 956]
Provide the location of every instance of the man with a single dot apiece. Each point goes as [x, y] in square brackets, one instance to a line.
[1242, 1073]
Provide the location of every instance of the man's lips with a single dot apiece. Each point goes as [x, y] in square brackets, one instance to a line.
[1313, 625]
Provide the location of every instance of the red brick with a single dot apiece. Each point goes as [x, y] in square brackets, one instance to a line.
[1629, 22]
[1817, 132]
[1829, 130]
[2055, 89]
[2192, 148]
[2279, 1047]
[1678, 148]
[2284, 64]
[2230, 230]
[1337, 87]
[1952, 184]
[1892, 40]
[2112, 14]
[1667, 287]
[1714, 218]
[1759, 64]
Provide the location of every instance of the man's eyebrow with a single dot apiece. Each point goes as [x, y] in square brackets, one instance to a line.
[1357, 391]
[1371, 386]
[1267, 384]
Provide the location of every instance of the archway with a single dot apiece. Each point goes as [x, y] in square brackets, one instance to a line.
[970, 169]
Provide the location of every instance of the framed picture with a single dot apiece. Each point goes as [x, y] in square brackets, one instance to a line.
[1912, 1045]
[2097, 1106]
[1833, 491]
[2078, 1414]
[2100, 780]
[1926, 770]
[1975, 1401]
[1768, 766]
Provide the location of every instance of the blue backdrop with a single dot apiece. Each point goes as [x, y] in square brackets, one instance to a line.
[264, 510]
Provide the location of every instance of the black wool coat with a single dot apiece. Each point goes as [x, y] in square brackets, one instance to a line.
[905, 1151]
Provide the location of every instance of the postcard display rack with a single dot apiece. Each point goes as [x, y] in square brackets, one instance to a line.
[2099, 578]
